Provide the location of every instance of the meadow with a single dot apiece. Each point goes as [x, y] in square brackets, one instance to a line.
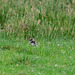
[54, 57]
[51, 23]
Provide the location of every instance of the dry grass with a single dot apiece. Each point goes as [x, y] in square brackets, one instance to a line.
[45, 19]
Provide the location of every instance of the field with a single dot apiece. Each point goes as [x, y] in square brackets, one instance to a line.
[49, 19]
[48, 58]
[51, 23]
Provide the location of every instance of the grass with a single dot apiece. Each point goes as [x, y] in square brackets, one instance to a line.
[51, 23]
[38, 18]
[18, 57]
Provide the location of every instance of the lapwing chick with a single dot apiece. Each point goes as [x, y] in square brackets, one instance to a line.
[33, 42]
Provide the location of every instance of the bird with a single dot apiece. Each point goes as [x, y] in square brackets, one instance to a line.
[33, 42]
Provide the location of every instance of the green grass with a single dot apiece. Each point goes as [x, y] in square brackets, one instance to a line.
[52, 21]
[18, 57]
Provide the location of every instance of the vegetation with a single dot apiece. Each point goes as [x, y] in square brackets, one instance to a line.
[51, 23]
[48, 58]
[38, 18]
